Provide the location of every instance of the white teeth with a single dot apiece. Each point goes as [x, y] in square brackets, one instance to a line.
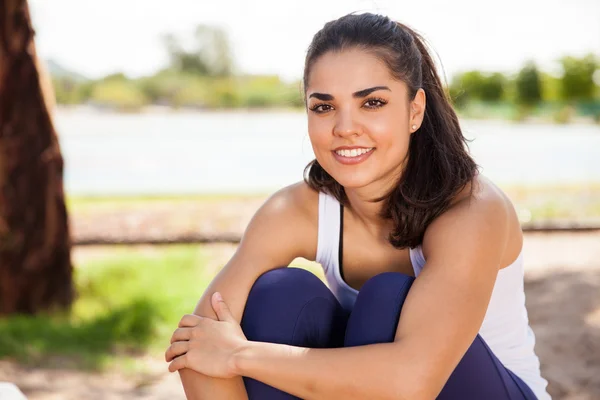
[353, 152]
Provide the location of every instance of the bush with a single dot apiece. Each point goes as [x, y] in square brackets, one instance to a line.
[120, 95]
[528, 85]
[193, 94]
[564, 115]
[577, 82]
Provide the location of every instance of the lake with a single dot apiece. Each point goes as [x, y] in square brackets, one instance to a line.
[239, 152]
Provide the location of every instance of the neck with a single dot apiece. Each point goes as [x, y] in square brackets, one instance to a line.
[367, 212]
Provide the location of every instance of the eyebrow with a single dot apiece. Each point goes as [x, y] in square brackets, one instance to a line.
[359, 94]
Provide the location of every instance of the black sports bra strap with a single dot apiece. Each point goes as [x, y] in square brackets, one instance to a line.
[341, 246]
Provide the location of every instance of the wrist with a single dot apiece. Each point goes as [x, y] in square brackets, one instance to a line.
[239, 358]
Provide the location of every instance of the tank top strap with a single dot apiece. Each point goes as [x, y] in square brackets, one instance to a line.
[417, 259]
[328, 230]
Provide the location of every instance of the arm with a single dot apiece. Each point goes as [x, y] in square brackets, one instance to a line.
[440, 319]
[280, 220]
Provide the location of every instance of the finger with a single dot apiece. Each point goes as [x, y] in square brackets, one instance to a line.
[181, 334]
[178, 363]
[176, 349]
[221, 308]
[189, 320]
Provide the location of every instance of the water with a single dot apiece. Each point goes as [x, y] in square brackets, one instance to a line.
[176, 153]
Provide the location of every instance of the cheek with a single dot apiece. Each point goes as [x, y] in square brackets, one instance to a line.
[319, 133]
[402, 147]
[393, 148]
[390, 132]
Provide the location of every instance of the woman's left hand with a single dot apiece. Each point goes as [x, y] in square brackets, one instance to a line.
[205, 345]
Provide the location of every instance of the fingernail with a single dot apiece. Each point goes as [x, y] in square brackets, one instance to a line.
[218, 296]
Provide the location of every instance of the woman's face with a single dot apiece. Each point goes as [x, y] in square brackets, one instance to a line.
[355, 106]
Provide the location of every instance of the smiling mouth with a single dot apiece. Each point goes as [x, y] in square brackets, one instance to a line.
[354, 152]
[353, 156]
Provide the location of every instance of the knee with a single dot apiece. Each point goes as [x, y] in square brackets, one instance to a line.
[282, 291]
[387, 284]
[291, 306]
[282, 280]
[376, 312]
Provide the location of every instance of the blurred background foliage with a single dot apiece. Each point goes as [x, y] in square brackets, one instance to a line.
[202, 76]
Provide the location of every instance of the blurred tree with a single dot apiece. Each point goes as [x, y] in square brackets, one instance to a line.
[551, 87]
[210, 54]
[162, 86]
[119, 95]
[213, 47]
[457, 93]
[475, 85]
[466, 86]
[35, 260]
[183, 60]
[492, 87]
[115, 77]
[528, 85]
[66, 91]
[577, 82]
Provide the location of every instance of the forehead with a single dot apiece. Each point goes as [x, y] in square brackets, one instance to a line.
[349, 71]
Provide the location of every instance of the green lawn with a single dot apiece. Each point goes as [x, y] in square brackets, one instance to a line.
[129, 301]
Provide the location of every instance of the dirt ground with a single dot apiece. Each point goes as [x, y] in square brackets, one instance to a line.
[563, 300]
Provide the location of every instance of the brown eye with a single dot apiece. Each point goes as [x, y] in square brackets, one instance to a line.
[375, 103]
[321, 108]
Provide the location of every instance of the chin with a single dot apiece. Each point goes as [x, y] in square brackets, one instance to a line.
[353, 182]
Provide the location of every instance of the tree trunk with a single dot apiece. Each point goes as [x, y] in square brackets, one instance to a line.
[35, 259]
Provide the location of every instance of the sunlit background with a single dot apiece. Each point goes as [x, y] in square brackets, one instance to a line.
[124, 55]
[177, 119]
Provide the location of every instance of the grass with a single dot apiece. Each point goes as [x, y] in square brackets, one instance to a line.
[129, 302]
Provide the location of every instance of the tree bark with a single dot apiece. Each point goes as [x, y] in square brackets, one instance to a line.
[35, 259]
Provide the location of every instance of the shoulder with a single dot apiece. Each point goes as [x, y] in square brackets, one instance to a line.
[480, 215]
[297, 198]
[292, 213]
[298, 202]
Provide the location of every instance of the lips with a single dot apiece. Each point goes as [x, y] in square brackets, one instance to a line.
[352, 160]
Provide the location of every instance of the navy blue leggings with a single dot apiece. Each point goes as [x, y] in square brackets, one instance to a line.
[292, 306]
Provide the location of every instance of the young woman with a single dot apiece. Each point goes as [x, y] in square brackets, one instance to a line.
[422, 254]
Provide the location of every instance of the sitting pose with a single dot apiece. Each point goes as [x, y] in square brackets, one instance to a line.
[422, 254]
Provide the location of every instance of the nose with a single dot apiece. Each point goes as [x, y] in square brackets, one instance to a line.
[346, 124]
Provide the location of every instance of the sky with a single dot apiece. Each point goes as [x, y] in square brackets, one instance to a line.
[96, 38]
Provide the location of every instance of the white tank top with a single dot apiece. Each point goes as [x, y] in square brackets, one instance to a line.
[505, 327]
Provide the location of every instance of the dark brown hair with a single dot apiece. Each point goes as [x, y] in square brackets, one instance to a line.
[438, 165]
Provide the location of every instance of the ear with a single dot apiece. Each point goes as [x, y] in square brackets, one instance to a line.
[417, 109]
